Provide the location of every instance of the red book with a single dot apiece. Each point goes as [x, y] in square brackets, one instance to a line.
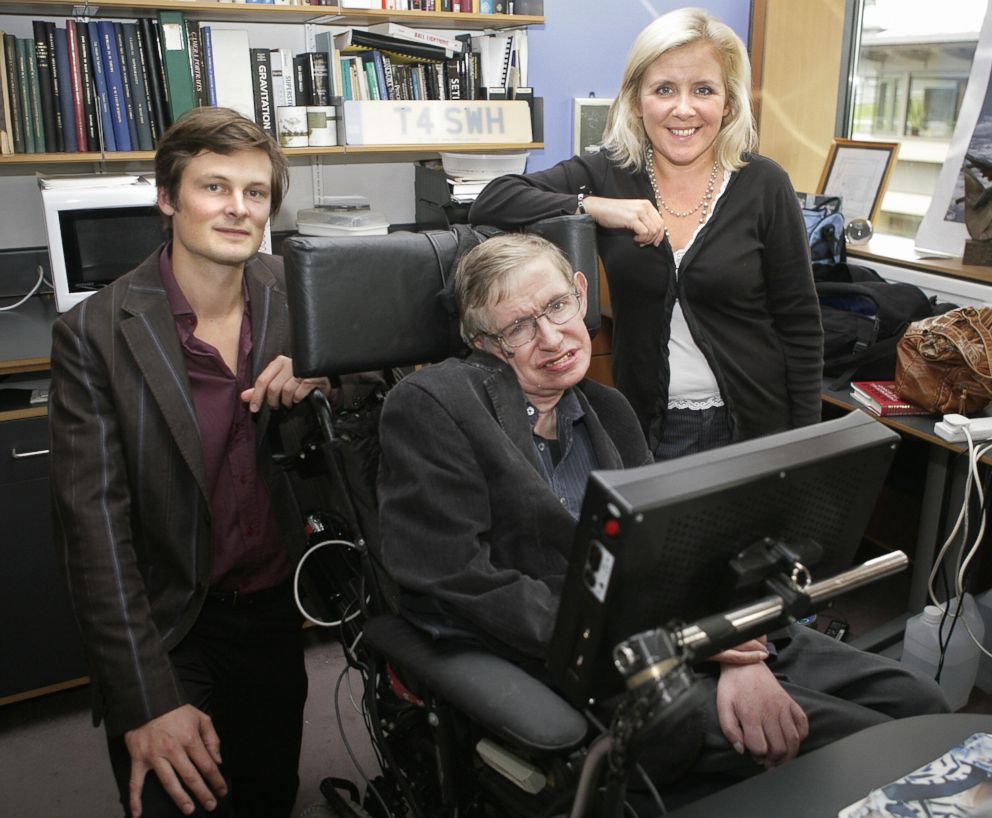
[881, 398]
[76, 78]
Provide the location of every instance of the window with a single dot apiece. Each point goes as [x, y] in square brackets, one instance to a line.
[910, 70]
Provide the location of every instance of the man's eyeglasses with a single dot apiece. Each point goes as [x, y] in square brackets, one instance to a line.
[522, 331]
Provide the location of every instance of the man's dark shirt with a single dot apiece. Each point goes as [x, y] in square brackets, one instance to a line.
[247, 552]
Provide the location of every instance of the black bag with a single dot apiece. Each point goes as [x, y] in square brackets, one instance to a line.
[864, 317]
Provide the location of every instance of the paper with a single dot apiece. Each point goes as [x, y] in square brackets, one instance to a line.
[956, 785]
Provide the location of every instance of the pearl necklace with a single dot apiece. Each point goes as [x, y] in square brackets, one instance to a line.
[705, 203]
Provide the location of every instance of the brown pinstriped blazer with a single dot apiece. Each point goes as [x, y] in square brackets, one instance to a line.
[130, 501]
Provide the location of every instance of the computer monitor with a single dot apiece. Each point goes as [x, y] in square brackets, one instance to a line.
[654, 544]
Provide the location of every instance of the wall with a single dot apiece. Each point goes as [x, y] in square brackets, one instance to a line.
[581, 51]
[801, 72]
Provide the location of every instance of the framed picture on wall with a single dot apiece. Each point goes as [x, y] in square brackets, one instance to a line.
[858, 172]
[588, 124]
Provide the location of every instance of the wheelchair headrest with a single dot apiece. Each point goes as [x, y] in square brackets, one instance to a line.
[375, 302]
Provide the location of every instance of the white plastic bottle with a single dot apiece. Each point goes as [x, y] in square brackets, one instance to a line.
[921, 648]
[984, 603]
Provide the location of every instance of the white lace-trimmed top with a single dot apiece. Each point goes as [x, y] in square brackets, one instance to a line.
[692, 384]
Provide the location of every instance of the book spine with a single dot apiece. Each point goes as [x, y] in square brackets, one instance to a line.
[175, 61]
[76, 86]
[324, 43]
[139, 90]
[15, 114]
[109, 140]
[385, 92]
[34, 91]
[368, 67]
[6, 133]
[24, 92]
[64, 83]
[196, 67]
[262, 87]
[346, 90]
[283, 82]
[319, 77]
[302, 80]
[125, 75]
[115, 88]
[210, 78]
[56, 89]
[43, 78]
[91, 105]
[155, 80]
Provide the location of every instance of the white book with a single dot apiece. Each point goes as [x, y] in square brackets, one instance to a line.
[416, 36]
[232, 70]
[283, 85]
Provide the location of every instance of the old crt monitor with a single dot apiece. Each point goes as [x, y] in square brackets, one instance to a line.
[96, 234]
[653, 544]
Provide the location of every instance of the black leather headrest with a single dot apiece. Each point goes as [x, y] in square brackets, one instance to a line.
[374, 302]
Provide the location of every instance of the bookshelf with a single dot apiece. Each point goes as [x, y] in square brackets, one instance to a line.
[239, 12]
[255, 13]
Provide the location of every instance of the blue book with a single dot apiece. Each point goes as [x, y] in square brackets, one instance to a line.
[115, 85]
[103, 100]
[207, 47]
[65, 91]
[139, 91]
[346, 89]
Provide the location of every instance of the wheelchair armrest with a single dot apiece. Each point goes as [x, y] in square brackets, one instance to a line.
[488, 689]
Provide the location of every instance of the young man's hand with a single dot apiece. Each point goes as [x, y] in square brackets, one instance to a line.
[183, 749]
[277, 386]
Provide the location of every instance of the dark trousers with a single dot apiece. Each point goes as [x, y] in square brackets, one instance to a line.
[687, 431]
[241, 664]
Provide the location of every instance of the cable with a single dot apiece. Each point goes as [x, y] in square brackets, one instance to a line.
[34, 289]
[965, 554]
[296, 586]
[347, 744]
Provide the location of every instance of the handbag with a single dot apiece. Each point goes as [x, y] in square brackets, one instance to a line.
[944, 363]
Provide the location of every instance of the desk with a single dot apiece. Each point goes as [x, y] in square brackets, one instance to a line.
[26, 336]
[821, 783]
[930, 536]
[41, 646]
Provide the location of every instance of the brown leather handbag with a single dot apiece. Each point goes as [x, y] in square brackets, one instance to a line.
[944, 363]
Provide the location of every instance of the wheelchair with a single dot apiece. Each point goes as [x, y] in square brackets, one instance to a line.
[458, 730]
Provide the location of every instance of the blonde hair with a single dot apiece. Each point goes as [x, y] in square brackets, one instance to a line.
[625, 140]
[485, 275]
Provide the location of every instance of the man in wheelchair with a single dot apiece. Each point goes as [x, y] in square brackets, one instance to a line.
[484, 462]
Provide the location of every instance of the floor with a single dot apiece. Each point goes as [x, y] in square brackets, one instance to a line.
[53, 762]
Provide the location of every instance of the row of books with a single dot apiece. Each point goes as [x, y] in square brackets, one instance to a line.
[389, 61]
[88, 86]
[466, 6]
[116, 86]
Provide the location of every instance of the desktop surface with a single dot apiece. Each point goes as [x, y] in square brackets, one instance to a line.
[820, 784]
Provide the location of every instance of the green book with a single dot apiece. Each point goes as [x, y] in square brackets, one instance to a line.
[34, 87]
[24, 48]
[175, 58]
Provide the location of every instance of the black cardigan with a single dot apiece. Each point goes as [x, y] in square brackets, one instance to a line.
[745, 286]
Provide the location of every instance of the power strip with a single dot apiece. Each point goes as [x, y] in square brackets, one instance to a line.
[952, 427]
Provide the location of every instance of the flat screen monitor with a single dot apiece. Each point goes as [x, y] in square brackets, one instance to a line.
[654, 544]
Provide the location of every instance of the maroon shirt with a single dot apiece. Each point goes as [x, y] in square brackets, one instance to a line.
[247, 551]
